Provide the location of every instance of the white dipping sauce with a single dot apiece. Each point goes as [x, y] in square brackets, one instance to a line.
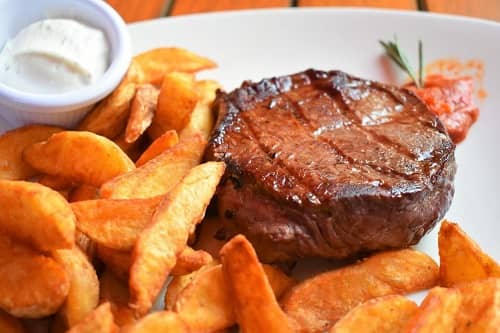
[54, 56]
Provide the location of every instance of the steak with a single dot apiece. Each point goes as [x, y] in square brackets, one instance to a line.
[324, 164]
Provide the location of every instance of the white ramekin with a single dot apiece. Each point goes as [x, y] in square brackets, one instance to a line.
[65, 109]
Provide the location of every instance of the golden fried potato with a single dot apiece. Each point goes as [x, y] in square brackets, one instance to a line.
[203, 301]
[437, 313]
[480, 308]
[159, 175]
[132, 149]
[154, 64]
[83, 295]
[83, 192]
[317, 303]
[156, 250]
[10, 324]
[31, 284]
[255, 305]
[81, 157]
[386, 314]
[142, 111]
[115, 291]
[207, 236]
[109, 117]
[202, 118]
[117, 261]
[85, 244]
[57, 183]
[158, 322]
[98, 321]
[461, 259]
[162, 143]
[36, 215]
[114, 223]
[190, 260]
[177, 100]
[12, 144]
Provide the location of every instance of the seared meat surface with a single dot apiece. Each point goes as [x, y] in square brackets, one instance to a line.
[323, 164]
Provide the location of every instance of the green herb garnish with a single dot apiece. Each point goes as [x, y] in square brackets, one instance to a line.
[393, 51]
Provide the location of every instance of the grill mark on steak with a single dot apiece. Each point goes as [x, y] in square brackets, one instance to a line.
[382, 178]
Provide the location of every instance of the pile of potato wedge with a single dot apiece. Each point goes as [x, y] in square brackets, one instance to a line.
[96, 221]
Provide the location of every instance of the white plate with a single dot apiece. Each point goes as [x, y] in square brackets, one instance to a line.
[257, 44]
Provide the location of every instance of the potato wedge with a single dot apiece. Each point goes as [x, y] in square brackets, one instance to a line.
[480, 309]
[386, 314]
[437, 313]
[132, 149]
[159, 175]
[158, 322]
[162, 143]
[36, 215]
[57, 183]
[12, 144]
[154, 64]
[256, 308]
[33, 285]
[202, 118]
[10, 324]
[109, 117]
[86, 245]
[98, 321]
[83, 192]
[114, 223]
[142, 111]
[203, 301]
[115, 291]
[83, 295]
[317, 303]
[117, 261]
[73, 155]
[177, 100]
[156, 250]
[190, 260]
[461, 259]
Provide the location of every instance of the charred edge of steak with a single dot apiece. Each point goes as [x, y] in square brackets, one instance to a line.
[298, 218]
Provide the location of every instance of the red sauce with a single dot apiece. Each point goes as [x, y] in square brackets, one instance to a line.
[449, 90]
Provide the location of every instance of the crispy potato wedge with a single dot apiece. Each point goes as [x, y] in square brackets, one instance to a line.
[158, 322]
[256, 307]
[10, 324]
[317, 303]
[132, 149]
[114, 223]
[57, 183]
[83, 295]
[461, 259]
[98, 321]
[203, 301]
[162, 143]
[437, 312]
[83, 192]
[142, 111]
[202, 118]
[33, 285]
[177, 100]
[73, 155]
[109, 117]
[207, 239]
[480, 308]
[117, 261]
[190, 260]
[12, 144]
[36, 215]
[86, 245]
[154, 64]
[159, 175]
[386, 314]
[115, 291]
[156, 250]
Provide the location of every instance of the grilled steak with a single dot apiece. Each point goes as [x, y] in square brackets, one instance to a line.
[323, 164]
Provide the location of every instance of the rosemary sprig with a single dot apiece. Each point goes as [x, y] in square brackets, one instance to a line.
[393, 51]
